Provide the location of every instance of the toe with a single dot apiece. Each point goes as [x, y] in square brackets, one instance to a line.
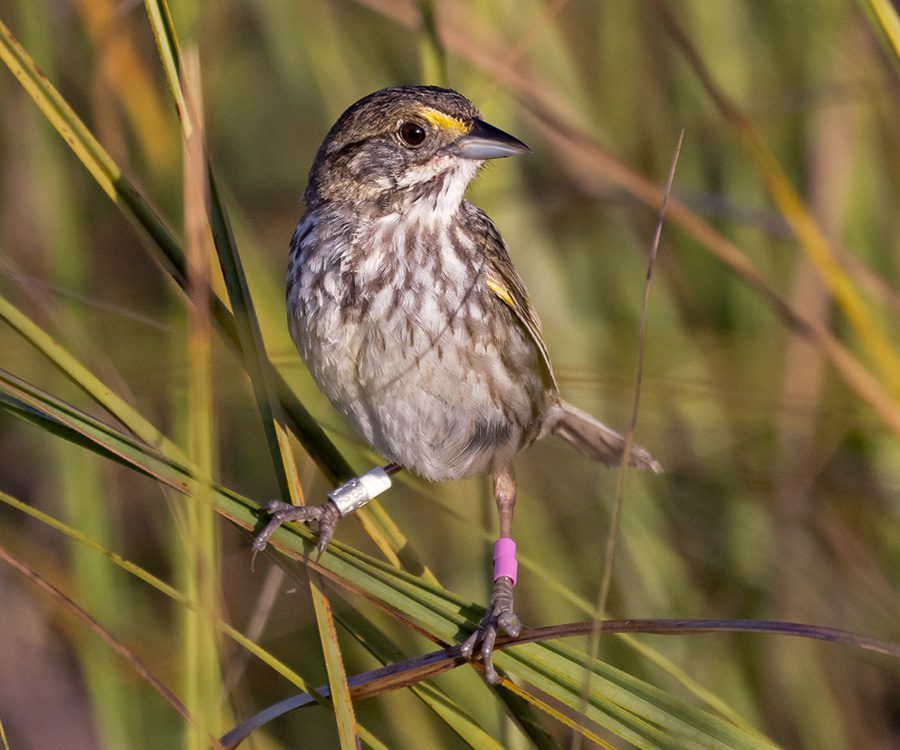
[328, 519]
[487, 655]
[467, 649]
[259, 544]
[491, 675]
[275, 506]
[510, 624]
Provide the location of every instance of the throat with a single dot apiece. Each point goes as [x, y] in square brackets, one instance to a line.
[436, 201]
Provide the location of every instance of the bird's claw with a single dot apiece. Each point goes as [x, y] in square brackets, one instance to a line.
[500, 615]
[325, 515]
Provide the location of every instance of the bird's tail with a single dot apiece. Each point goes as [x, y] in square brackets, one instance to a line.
[593, 438]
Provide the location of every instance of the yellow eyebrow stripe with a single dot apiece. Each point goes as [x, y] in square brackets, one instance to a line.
[443, 121]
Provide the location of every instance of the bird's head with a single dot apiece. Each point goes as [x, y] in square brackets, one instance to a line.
[404, 146]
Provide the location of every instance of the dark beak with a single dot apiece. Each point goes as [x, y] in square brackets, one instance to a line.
[484, 141]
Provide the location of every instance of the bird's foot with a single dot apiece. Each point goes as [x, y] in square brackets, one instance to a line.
[325, 515]
[349, 497]
[499, 615]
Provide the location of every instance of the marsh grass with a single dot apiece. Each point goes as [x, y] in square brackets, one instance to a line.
[150, 423]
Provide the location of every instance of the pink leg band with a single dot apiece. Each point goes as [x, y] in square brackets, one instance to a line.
[505, 564]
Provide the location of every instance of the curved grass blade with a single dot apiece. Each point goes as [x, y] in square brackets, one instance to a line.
[809, 235]
[382, 648]
[176, 596]
[588, 160]
[624, 705]
[165, 248]
[162, 243]
[120, 648]
[406, 672]
[81, 376]
[553, 583]
[887, 20]
[253, 350]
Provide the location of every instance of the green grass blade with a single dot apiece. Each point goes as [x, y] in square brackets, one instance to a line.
[254, 353]
[626, 706]
[381, 647]
[158, 584]
[33, 405]
[162, 244]
[644, 700]
[170, 58]
[198, 559]
[167, 250]
[888, 21]
[344, 713]
[72, 368]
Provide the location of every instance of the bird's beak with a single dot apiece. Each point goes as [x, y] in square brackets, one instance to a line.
[484, 141]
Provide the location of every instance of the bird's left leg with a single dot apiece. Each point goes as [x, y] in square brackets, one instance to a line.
[500, 609]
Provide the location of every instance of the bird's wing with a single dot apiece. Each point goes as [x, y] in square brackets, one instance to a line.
[504, 282]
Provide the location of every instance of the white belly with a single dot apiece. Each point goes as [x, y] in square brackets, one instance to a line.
[416, 365]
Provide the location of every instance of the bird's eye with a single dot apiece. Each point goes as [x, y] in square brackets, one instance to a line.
[412, 133]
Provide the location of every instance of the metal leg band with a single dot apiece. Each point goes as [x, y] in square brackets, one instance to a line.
[354, 494]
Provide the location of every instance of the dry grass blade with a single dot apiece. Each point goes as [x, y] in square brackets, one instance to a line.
[591, 163]
[163, 245]
[888, 21]
[256, 359]
[780, 476]
[417, 669]
[620, 703]
[807, 232]
[201, 566]
[132, 659]
[345, 714]
[612, 534]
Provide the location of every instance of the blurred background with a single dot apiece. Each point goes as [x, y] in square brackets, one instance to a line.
[769, 390]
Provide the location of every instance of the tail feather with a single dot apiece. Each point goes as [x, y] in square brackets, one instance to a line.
[594, 439]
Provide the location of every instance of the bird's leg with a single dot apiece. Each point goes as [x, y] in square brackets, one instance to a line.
[342, 501]
[500, 609]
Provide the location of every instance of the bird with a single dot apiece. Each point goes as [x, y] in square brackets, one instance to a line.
[404, 304]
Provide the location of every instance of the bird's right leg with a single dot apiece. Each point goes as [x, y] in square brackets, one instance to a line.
[350, 496]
